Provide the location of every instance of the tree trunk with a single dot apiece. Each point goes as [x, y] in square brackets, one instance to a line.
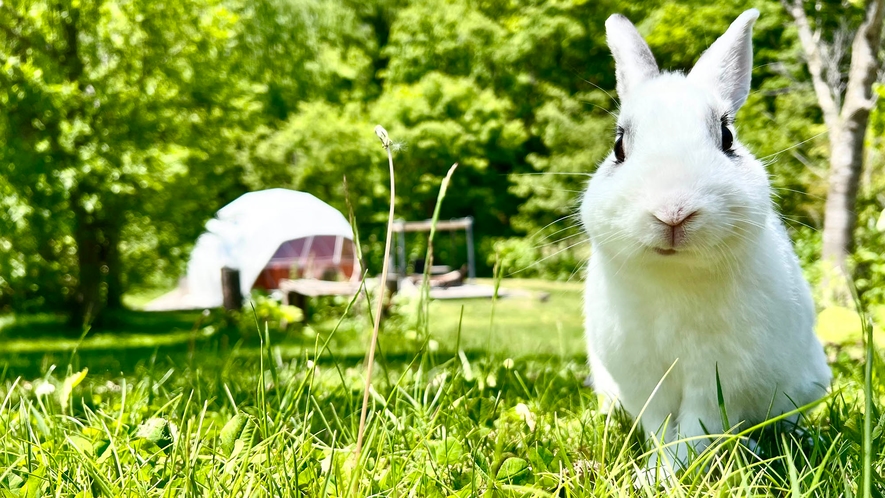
[99, 285]
[846, 127]
[846, 164]
[113, 265]
[88, 299]
[847, 139]
[232, 296]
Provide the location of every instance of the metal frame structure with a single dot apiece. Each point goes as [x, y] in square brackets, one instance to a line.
[400, 228]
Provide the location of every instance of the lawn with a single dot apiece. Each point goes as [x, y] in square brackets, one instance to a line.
[522, 325]
[493, 408]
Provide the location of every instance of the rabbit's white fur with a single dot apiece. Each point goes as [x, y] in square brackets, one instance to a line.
[732, 296]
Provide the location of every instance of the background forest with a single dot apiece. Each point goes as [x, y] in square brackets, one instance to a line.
[126, 125]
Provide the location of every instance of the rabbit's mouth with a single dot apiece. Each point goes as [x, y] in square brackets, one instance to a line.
[665, 252]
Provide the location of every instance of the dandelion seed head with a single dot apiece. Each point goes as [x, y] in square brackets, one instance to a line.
[382, 134]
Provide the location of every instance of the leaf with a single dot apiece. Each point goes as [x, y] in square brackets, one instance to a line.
[83, 444]
[514, 471]
[232, 431]
[540, 458]
[448, 452]
[72, 381]
[33, 487]
[40, 421]
[151, 429]
[720, 399]
[14, 481]
[158, 431]
[103, 450]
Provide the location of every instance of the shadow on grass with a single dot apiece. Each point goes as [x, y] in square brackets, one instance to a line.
[124, 339]
[113, 354]
[51, 326]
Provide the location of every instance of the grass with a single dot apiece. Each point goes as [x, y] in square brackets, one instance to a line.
[523, 325]
[280, 419]
[122, 330]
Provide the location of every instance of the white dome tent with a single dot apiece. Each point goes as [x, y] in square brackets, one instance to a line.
[267, 235]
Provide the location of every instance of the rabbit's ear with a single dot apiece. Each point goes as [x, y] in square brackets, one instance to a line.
[727, 65]
[634, 62]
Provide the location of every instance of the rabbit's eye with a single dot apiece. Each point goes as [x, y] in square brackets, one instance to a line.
[619, 147]
[727, 138]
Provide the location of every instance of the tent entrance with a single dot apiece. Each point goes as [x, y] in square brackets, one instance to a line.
[320, 257]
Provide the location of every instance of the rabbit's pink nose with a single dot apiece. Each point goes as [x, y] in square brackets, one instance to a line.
[674, 225]
[675, 220]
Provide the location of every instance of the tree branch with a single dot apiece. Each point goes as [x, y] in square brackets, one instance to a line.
[812, 50]
[864, 63]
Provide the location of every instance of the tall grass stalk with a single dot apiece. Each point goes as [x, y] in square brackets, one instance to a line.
[867, 485]
[424, 303]
[866, 324]
[352, 219]
[497, 275]
[370, 360]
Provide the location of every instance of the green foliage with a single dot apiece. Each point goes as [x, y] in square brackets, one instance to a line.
[112, 108]
[126, 125]
[562, 259]
[869, 256]
[263, 310]
[302, 50]
[260, 313]
[443, 120]
[313, 151]
[551, 190]
[458, 40]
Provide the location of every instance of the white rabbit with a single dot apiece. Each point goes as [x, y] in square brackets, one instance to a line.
[691, 266]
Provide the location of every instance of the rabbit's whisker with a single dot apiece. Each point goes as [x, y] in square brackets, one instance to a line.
[548, 257]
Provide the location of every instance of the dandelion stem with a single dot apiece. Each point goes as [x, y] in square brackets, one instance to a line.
[370, 360]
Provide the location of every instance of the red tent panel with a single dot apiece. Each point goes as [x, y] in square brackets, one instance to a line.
[323, 257]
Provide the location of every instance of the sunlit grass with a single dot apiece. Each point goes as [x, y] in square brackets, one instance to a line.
[460, 418]
[267, 424]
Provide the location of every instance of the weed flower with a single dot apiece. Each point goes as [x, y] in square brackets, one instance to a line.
[44, 389]
[526, 414]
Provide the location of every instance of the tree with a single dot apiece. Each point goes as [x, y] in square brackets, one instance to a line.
[106, 105]
[846, 102]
